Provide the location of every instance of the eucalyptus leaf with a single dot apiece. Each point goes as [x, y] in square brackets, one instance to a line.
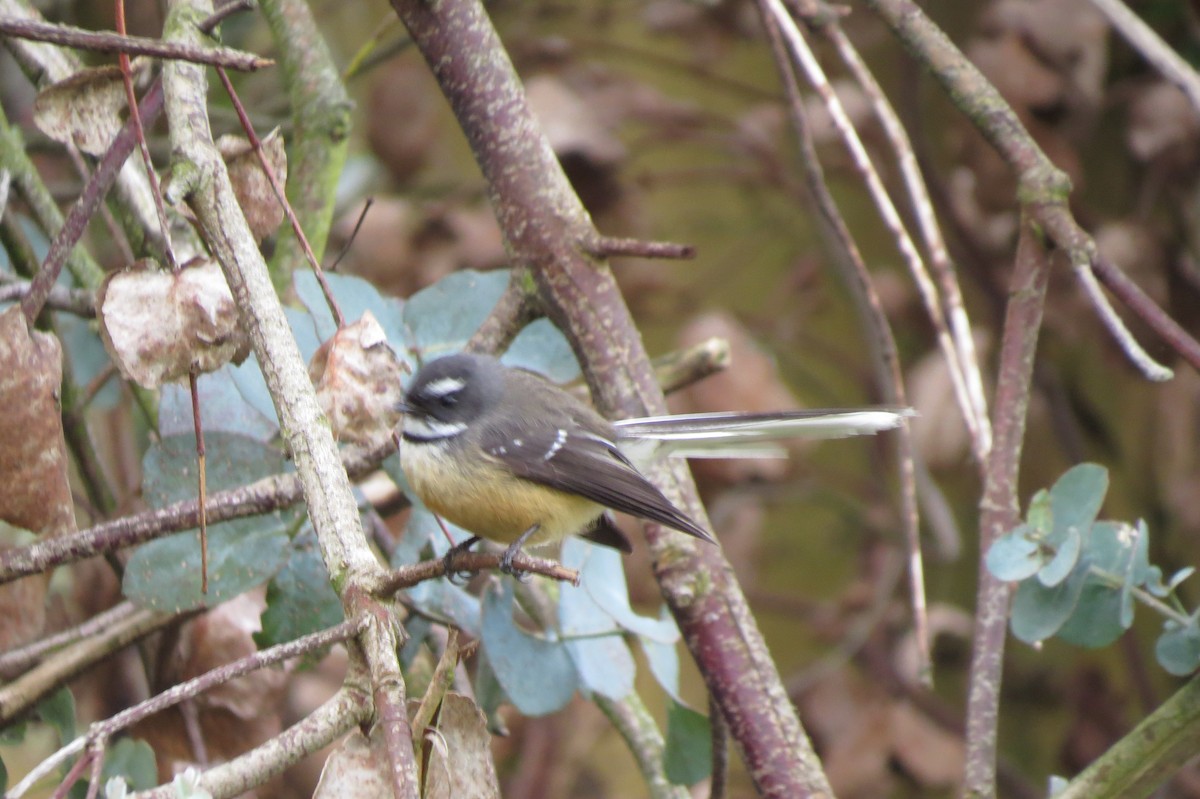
[1178, 649]
[300, 600]
[604, 664]
[1015, 556]
[165, 574]
[1039, 611]
[440, 319]
[355, 296]
[1097, 620]
[537, 673]
[664, 665]
[1076, 499]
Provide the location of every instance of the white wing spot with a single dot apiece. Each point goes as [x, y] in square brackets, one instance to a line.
[559, 441]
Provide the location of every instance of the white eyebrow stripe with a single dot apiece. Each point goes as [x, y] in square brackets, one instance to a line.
[443, 386]
[426, 428]
[560, 441]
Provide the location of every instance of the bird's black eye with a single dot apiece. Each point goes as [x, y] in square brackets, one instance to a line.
[448, 400]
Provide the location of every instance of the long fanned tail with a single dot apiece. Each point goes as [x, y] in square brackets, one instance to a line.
[731, 434]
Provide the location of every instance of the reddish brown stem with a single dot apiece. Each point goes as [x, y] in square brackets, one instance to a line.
[107, 42]
[248, 127]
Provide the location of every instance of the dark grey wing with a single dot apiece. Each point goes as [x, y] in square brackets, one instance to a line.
[579, 462]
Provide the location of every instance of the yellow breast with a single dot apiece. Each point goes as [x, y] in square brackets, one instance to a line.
[478, 495]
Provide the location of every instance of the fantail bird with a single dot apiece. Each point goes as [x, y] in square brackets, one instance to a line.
[511, 457]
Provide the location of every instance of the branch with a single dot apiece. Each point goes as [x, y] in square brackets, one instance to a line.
[262, 496]
[1157, 52]
[472, 562]
[348, 707]
[24, 692]
[109, 42]
[999, 509]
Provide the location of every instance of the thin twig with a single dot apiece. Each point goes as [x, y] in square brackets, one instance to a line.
[961, 342]
[16, 661]
[613, 247]
[885, 357]
[1143, 38]
[27, 690]
[281, 195]
[187, 690]
[109, 42]
[1152, 369]
[1116, 281]
[136, 117]
[202, 478]
[409, 576]
[61, 298]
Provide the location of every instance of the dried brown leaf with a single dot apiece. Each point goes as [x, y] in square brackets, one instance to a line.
[253, 189]
[461, 764]
[36, 494]
[87, 109]
[159, 326]
[358, 767]
[357, 375]
[404, 90]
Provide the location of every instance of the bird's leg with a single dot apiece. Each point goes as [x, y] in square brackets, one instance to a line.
[514, 549]
[452, 553]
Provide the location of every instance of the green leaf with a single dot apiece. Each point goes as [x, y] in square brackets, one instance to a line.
[537, 673]
[1015, 556]
[58, 710]
[243, 553]
[1039, 611]
[300, 599]
[688, 755]
[1040, 516]
[130, 759]
[1178, 649]
[439, 319]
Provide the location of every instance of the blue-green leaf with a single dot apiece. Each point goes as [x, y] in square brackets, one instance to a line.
[1097, 620]
[223, 409]
[58, 710]
[1178, 649]
[355, 296]
[688, 755]
[1076, 500]
[441, 318]
[541, 347]
[664, 664]
[1038, 611]
[602, 579]
[604, 664]
[537, 673]
[131, 759]
[1064, 560]
[1015, 556]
